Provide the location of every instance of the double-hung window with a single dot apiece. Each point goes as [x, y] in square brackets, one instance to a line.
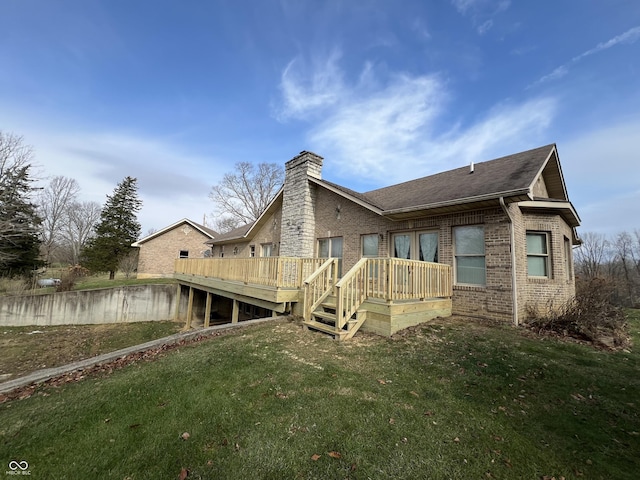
[470, 255]
[538, 254]
[370, 245]
[331, 248]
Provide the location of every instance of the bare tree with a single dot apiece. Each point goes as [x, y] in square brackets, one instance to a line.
[623, 245]
[592, 254]
[242, 195]
[78, 227]
[55, 202]
[129, 263]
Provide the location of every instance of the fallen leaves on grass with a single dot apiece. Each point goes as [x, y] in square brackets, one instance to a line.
[107, 368]
[315, 457]
[184, 473]
[335, 454]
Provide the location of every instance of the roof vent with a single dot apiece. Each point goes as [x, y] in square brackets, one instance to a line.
[471, 167]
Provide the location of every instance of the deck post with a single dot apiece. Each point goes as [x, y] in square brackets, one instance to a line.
[390, 272]
[190, 307]
[207, 310]
[235, 311]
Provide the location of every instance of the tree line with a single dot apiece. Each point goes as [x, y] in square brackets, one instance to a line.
[44, 225]
[614, 258]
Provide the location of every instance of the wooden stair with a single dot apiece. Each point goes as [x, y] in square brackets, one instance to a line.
[323, 319]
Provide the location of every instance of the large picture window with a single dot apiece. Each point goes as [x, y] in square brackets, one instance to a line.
[470, 255]
[537, 254]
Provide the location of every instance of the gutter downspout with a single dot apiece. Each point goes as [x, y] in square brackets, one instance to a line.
[512, 248]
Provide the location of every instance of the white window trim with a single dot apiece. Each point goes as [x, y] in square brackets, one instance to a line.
[457, 255]
[414, 242]
[546, 256]
[376, 235]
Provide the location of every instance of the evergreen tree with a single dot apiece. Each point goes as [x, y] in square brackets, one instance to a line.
[19, 222]
[117, 229]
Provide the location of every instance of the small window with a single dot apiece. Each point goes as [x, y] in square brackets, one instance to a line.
[331, 248]
[537, 254]
[470, 255]
[221, 251]
[184, 254]
[370, 245]
[267, 250]
[252, 250]
[567, 258]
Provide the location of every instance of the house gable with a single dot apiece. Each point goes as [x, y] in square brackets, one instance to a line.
[183, 239]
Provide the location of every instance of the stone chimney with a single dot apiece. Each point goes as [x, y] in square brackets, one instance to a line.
[298, 229]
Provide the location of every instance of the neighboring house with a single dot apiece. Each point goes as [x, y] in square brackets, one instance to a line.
[158, 251]
[505, 228]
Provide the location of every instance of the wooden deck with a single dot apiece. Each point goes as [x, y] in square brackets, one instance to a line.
[384, 286]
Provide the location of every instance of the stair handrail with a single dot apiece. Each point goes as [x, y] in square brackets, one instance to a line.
[350, 295]
[319, 286]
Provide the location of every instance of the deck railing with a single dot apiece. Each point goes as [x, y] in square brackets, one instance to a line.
[281, 272]
[319, 286]
[398, 279]
[384, 278]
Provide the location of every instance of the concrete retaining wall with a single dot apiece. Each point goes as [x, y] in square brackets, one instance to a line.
[140, 303]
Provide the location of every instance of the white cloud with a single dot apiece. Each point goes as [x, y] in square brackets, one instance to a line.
[630, 36]
[309, 87]
[485, 27]
[389, 129]
[481, 12]
[374, 129]
[172, 182]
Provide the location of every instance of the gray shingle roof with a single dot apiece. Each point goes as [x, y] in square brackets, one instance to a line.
[506, 174]
[236, 233]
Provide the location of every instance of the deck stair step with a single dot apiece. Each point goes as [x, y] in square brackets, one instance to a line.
[323, 327]
[326, 316]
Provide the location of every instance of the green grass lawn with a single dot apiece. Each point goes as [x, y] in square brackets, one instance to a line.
[24, 350]
[453, 399]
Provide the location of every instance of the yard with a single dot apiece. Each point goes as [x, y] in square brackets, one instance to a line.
[452, 399]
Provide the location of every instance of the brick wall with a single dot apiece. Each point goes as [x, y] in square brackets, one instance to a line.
[268, 233]
[157, 255]
[540, 294]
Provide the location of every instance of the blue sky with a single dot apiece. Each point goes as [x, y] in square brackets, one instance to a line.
[176, 92]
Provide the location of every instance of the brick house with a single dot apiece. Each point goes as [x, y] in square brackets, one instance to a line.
[505, 228]
[183, 239]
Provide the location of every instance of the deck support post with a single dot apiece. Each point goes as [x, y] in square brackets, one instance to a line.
[235, 311]
[207, 310]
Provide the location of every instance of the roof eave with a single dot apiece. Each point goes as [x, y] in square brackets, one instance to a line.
[564, 208]
[458, 204]
[162, 231]
[346, 195]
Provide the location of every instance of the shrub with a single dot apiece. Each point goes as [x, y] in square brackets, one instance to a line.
[589, 316]
[69, 279]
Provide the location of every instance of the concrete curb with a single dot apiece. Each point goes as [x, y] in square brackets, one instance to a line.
[41, 376]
